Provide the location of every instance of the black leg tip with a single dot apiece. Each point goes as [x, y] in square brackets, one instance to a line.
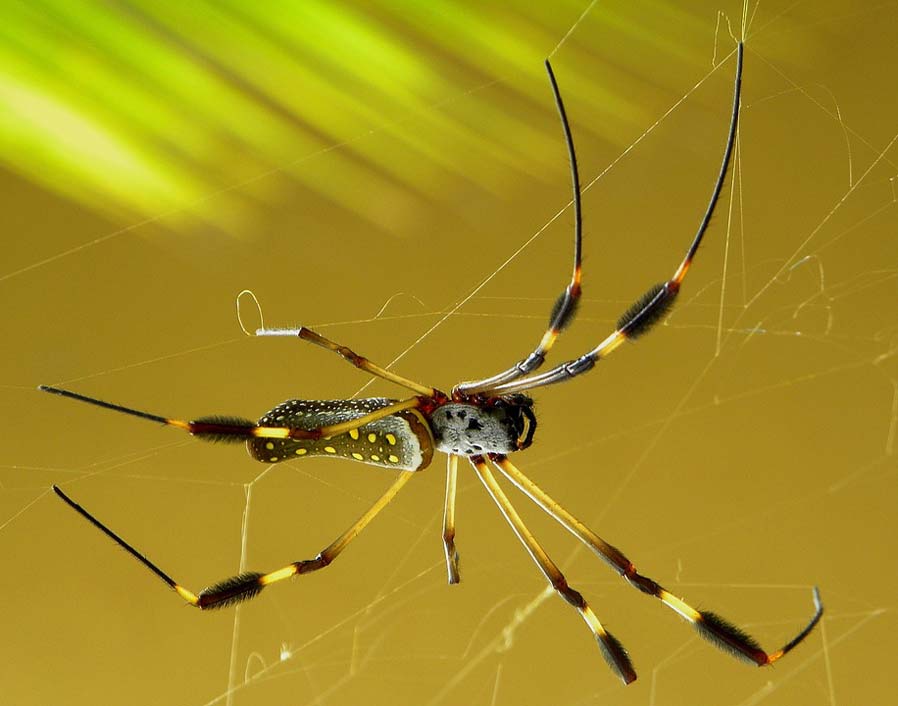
[818, 603]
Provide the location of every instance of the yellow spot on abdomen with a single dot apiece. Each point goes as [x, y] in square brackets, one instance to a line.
[269, 446]
[391, 440]
[330, 449]
[375, 457]
[358, 456]
[354, 434]
[372, 438]
[393, 459]
[301, 452]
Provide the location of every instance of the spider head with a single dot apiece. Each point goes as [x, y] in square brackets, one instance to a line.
[478, 424]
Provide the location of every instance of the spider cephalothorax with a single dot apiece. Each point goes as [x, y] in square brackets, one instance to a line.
[474, 424]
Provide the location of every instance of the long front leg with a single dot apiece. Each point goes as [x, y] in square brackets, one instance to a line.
[652, 306]
[565, 308]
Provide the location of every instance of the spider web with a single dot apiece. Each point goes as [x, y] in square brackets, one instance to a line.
[740, 454]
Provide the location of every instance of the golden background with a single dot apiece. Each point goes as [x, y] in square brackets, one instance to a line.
[363, 168]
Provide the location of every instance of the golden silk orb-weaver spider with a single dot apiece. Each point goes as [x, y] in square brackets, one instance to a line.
[483, 421]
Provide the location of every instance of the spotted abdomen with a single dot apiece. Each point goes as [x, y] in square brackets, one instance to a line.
[402, 441]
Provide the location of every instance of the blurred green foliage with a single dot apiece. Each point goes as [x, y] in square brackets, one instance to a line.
[146, 108]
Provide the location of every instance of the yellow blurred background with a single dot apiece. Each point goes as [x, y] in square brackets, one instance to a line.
[363, 168]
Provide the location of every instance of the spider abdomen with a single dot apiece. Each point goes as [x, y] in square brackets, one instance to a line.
[401, 441]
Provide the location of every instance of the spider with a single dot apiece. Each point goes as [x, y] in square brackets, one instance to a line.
[483, 421]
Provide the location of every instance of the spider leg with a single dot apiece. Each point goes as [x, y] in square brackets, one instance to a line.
[709, 625]
[248, 584]
[222, 428]
[612, 650]
[351, 357]
[565, 308]
[657, 301]
[449, 519]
